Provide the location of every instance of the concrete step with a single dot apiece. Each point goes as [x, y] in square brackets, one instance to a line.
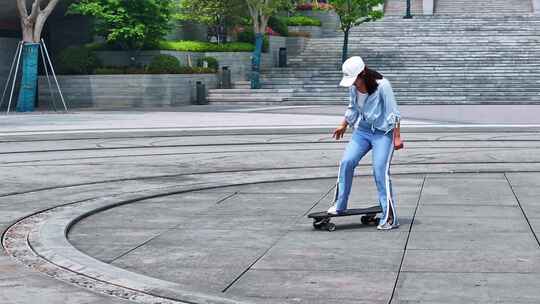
[442, 59]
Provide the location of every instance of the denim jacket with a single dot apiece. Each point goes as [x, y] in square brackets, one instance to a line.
[379, 109]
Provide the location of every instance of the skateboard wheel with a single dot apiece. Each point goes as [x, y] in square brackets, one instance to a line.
[331, 227]
[369, 220]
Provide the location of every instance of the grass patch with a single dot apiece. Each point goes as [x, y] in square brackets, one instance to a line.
[303, 21]
[200, 46]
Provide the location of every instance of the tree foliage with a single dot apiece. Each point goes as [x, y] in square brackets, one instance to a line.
[261, 10]
[218, 15]
[355, 12]
[133, 24]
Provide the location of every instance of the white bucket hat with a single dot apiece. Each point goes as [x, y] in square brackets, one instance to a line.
[352, 67]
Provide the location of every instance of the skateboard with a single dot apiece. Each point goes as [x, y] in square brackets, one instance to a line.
[321, 220]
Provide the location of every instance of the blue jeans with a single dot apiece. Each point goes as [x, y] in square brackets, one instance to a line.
[363, 140]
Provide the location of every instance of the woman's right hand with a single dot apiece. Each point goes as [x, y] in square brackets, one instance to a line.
[340, 131]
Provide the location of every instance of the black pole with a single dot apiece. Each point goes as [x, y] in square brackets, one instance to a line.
[408, 12]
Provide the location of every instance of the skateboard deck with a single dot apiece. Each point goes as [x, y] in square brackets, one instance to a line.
[321, 220]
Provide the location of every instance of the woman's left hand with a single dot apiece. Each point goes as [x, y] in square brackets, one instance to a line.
[340, 131]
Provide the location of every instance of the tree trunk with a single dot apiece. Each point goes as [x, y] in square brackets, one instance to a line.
[256, 61]
[345, 52]
[31, 25]
[28, 90]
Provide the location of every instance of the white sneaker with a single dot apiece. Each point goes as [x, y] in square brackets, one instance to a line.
[332, 210]
[387, 226]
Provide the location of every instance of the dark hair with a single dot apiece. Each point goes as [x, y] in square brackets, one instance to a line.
[370, 78]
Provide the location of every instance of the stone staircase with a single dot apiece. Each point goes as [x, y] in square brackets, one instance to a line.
[398, 7]
[429, 60]
[482, 8]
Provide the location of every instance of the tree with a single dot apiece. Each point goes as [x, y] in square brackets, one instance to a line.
[131, 24]
[32, 26]
[218, 15]
[353, 13]
[260, 11]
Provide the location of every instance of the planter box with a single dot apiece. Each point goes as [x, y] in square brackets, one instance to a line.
[295, 45]
[127, 91]
[329, 19]
[238, 62]
[315, 31]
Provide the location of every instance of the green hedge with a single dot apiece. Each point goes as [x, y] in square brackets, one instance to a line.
[303, 21]
[136, 71]
[213, 63]
[120, 71]
[199, 46]
[77, 61]
[249, 37]
[185, 46]
[279, 25]
[163, 64]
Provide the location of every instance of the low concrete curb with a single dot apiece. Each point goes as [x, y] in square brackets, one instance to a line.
[40, 241]
[213, 131]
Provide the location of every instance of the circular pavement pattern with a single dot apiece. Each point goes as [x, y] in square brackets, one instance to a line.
[222, 218]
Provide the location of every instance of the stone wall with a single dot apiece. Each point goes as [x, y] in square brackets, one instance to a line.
[314, 31]
[271, 59]
[127, 91]
[295, 45]
[238, 62]
[329, 19]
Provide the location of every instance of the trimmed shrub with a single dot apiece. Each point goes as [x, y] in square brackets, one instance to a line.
[186, 46]
[195, 70]
[312, 7]
[119, 71]
[109, 71]
[279, 25]
[212, 63]
[77, 61]
[164, 64]
[200, 46]
[303, 21]
[137, 71]
[249, 37]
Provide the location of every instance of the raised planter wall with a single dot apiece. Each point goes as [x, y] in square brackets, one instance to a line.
[127, 91]
[295, 45]
[315, 31]
[329, 19]
[238, 62]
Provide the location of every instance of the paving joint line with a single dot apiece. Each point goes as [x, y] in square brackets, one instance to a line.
[522, 210]
[276, 242]
[407, 241]
[250, 170]
[160, 234]
[227, 197]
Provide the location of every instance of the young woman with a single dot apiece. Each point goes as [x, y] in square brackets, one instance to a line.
[373, 114]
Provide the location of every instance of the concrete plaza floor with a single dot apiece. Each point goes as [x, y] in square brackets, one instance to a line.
[208, 205]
